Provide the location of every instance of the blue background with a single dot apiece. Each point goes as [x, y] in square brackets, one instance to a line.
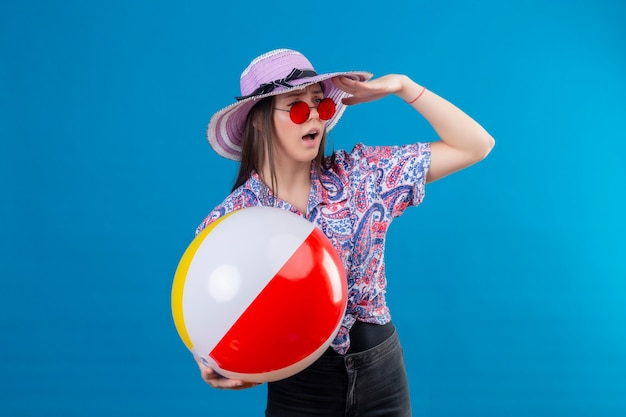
[508, 284]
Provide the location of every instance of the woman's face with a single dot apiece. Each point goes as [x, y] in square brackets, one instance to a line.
[293, 142]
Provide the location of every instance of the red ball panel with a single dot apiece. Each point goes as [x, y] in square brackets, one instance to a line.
[297, 312]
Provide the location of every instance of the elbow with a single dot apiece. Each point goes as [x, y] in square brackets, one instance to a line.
[485, 145]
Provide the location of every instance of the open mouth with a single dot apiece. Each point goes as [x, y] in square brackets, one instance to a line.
[311, 136]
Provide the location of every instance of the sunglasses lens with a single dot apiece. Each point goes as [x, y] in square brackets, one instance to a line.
[326, 108]
[299, 112]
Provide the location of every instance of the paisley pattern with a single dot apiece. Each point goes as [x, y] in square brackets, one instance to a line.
[353, 203]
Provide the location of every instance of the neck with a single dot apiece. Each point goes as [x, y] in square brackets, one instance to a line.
[289, 177]
[293, 183]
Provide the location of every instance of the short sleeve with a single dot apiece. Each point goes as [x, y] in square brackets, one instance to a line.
[235, 201]
[394, 174]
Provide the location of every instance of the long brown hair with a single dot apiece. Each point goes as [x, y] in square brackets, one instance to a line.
[258, 141]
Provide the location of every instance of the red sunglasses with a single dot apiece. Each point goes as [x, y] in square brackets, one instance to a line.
[300, 111]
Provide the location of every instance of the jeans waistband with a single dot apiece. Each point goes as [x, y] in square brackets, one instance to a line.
[364, 336]
[335, 362]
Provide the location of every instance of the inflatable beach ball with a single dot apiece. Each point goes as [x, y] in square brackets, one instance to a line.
[259, 294]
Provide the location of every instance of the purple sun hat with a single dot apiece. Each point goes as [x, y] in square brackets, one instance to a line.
[275, 72]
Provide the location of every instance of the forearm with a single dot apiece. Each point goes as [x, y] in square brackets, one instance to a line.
[455, 128]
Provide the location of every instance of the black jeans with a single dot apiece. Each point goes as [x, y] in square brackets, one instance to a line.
[371, 383]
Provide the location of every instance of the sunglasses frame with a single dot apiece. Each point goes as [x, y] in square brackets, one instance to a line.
[299, 117]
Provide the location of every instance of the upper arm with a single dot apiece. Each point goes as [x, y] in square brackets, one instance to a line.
[445, 160]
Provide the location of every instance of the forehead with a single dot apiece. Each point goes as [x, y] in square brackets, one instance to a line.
[311, 89]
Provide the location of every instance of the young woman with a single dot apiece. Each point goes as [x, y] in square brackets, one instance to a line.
[277, 130]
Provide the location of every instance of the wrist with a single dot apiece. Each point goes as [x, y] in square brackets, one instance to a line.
[411, 91]
[417, 96]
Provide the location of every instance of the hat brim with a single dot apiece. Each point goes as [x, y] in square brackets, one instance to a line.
[225, 129]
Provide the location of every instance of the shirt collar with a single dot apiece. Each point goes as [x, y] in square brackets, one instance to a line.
[336, 192]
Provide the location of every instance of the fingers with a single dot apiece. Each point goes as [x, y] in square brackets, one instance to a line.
[349, 101]
[361, 91]
[346, 84]
[350, 86]
[218, 381]
[372, 89]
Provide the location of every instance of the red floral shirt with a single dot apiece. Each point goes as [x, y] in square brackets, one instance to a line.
[353, 203]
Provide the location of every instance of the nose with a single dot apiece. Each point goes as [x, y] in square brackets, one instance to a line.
[313, 112]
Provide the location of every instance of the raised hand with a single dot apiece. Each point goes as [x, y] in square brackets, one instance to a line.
[364, 91]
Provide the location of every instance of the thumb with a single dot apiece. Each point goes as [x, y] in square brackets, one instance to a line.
[349, 101]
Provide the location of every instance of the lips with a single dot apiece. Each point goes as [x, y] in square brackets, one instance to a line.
[311, 135]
